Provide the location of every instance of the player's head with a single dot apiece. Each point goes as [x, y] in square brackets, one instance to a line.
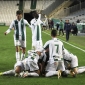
[67, 21]
[19, 14]
[39, 51]
[54, 33]
[35, 14]
[18, 67]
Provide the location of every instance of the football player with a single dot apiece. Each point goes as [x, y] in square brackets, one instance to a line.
[36, 31]
[55, 48]
[19, 26]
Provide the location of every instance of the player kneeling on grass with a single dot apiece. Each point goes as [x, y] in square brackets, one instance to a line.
[55, 48]
[71, 62]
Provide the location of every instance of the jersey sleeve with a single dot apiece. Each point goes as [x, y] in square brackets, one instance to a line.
[46, 45]
[32, 24]
[26, 23]
[39, 16]
[41, 22]
[44, 57]
[10, 27]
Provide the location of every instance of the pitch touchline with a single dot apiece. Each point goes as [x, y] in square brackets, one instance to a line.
[69, 43]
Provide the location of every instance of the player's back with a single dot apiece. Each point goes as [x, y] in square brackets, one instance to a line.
[68, 56]
[32, 55]
[56, 48]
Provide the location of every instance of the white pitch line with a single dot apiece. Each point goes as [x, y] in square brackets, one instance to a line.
[68, 43]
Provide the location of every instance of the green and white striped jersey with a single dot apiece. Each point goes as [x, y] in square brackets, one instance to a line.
[56, 48]
[36, 28]
[19, 28]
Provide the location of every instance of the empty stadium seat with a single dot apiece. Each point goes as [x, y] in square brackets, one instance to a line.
[8, 11]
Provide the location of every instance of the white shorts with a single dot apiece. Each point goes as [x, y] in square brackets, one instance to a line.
[74, 62]
[37, 44]
[19, 42]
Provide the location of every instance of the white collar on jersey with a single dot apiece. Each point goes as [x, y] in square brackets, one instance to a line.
[54, 38]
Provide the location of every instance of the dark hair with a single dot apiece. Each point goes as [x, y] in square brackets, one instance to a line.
[35, 14]
[54, 33]
[19, 12]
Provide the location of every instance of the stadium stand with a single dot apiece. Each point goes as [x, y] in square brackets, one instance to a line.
[75, 12]
[7, 11]
[57, 9]
[53, 6]
[8, 8]
[76, 15]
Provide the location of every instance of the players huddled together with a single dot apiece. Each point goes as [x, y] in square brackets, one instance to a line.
[50, 59]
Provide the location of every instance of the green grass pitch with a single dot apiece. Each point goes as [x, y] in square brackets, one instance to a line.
[7, 60]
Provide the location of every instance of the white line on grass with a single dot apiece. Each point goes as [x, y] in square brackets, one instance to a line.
[69, 43]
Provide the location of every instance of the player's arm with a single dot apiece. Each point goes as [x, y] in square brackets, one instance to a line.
[32, 24]
[26, 23]
[46, 46]
[39, 18]
[10, 28]
[39, 14]
[41, 22]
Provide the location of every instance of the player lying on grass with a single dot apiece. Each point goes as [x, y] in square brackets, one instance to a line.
[80, 70]
[23, 68]
[70, 66]
[70, 62]
[55, 49]
[27, 67]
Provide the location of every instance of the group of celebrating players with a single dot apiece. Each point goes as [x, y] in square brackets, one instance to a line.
[42, 60]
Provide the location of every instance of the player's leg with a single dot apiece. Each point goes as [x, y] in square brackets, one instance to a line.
[23, 45]
[70, 72]
[17, 44]
[17, 53]
[81, 69]
[53, 73]
[51, 70]
[62, 32]
[74, 64]
[23, 53]
[61, 65]
[34, 74]
[10, 72]
[33, 41]
[34, 69]
[59, 32]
